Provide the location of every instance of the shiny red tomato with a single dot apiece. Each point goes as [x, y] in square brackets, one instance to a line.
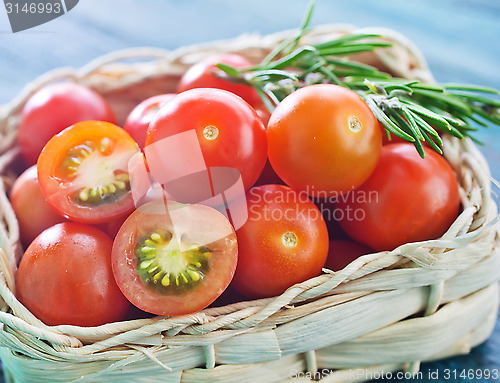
[406, 199]
[137, 122]
[33, 213]
[83, 172]
[342, 252]
[175, 259]
[54, 108]
[323, 139]
[205, 74]
[65, 277]
[283, 242]
[228, 130]
[263, 113]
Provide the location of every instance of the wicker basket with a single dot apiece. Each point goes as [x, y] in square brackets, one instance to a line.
[384, 312]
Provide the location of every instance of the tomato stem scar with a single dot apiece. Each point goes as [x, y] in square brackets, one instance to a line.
[289, 239]
[210, 132]
[354, 124]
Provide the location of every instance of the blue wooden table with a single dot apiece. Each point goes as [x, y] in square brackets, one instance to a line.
[459, 38]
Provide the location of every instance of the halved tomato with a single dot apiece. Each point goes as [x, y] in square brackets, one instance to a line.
[83, 172]
[174, 259]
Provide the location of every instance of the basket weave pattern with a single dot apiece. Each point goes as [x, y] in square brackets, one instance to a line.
[385, 311]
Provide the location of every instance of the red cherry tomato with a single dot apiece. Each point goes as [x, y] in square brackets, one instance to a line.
[342, 252]
[205, 74]
[406, 199]
[54, 108]
[33, 212]
[283, 242]
[228, 130]
[176, 261]
[65, 277]
[137, 122]
[323, 139]
[83, 172]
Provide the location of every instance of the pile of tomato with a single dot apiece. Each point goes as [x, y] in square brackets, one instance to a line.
[319, 186]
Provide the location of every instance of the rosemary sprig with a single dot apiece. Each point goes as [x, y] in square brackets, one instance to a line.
[412, 110]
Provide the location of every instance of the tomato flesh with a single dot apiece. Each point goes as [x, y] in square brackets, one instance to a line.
[83, 172]
[174, 259]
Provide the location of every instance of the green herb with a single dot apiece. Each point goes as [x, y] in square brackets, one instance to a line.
[409, 109]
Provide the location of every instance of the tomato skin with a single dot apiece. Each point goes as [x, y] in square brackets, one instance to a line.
[412, 199]
[342, 252]
[205, 74]
[137, 122]
[266, 267]
[241, 137]
[65, 277]
[33, 212]
[314, 140]
[198, 224]
[263, 113]
[54, 108]
[59, 188]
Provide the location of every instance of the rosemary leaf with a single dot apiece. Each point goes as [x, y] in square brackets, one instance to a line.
[346, 39]
[361, 68]
[328, 73]
[386, 121]
[473, 88]
[289, 59]
[432, 143]
[229, 70]
[271, 75]
[411, 123]
[446, 99]
[438, 120]
[427, 129]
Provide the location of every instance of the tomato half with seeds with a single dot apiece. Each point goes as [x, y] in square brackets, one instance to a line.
[174, 259]
[83, 172]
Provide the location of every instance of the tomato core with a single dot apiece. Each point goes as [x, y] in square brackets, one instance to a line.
[96, 180]
[166, 263]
